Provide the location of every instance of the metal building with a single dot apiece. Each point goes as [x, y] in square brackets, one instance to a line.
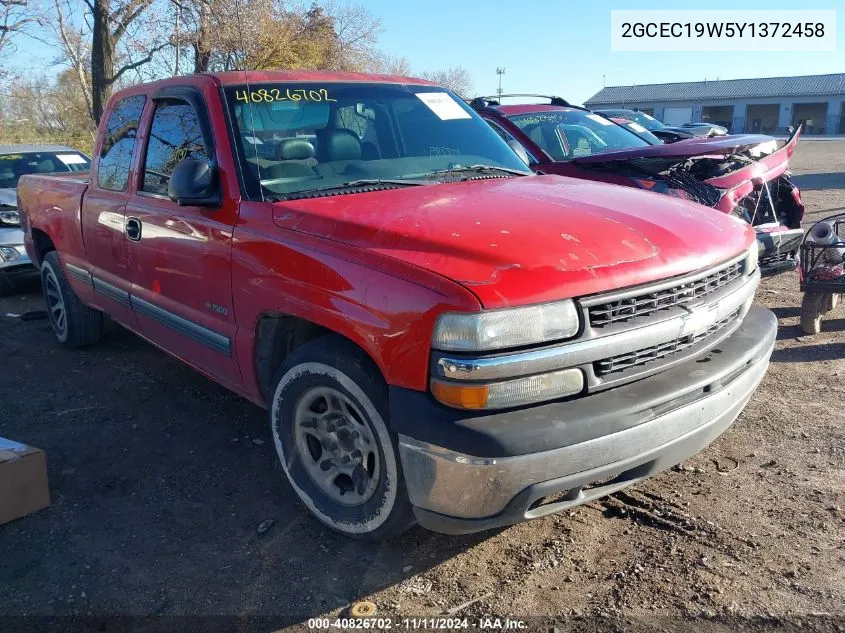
[767, 105]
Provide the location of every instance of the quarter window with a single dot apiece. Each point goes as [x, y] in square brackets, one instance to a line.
[175, 134]
[119, 143]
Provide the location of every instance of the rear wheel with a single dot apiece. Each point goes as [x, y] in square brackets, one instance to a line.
[328, 417]
[73, 323]
[811, 312]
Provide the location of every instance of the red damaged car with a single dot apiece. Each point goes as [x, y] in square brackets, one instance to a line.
[745, 175]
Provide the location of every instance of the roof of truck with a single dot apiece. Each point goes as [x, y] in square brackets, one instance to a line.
[239, 77]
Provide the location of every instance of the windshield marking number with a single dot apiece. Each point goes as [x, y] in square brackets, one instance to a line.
[271, 95]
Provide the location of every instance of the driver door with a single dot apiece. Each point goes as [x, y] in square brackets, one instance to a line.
[180, 256]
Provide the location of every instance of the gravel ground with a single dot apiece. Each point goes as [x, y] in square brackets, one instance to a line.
[161, 478]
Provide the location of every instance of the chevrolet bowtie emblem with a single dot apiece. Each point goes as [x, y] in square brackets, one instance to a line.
[698, 319]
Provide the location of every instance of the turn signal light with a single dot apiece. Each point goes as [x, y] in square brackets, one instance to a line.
[461, 396]
[509, 393]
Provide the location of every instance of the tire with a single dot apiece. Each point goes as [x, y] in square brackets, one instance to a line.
[811, 312]
[832, 302]
[74, 323]
[329, 422]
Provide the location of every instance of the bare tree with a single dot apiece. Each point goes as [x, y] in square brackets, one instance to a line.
[102, 41]
[265, 34]
[456, 78]
[195, 30]
[48, 109]
[111, 20]
[390, 65]
[73, 41]
[15, 18]
[356, 33]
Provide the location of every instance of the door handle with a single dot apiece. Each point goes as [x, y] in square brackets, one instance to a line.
[133, 229]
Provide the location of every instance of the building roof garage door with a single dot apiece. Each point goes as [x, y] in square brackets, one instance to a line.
[677, 116]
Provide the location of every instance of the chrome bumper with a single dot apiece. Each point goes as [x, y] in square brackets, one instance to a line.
[455, 492]
[12, 238]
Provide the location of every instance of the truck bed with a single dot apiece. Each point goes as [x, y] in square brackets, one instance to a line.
[52, 202]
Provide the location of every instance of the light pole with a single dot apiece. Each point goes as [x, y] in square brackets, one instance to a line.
[500, 72]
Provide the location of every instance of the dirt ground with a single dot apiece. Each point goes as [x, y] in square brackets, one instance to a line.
[160, 479]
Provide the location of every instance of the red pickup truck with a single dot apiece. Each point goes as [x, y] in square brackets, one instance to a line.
[439, 335]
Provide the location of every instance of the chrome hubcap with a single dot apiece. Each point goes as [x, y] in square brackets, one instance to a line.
[336, 446]
[55, 303]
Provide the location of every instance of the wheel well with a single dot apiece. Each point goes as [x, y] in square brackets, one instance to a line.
[277, 335]
[43, 244]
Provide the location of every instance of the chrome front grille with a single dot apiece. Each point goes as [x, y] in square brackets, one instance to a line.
[645, 355]
[776, 259]
[687, 315]
[604, 314]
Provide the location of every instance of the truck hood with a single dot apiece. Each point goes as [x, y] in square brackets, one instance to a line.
[524, 240]
[699, 146]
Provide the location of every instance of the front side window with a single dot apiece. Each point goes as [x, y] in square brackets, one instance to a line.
[295, 138]
[119, 143]
[175, 134]
[568, 134]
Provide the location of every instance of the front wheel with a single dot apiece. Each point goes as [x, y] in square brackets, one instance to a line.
[328, 417]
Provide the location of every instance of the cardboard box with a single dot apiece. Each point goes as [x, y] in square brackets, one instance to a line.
[23, 480]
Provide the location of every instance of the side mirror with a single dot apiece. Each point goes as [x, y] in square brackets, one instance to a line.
[517, 147]
[194, 183]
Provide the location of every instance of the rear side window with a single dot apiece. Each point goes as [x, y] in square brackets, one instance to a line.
[119, 143]
[175, 135]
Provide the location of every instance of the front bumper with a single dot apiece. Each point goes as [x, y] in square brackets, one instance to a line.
[19, 267]
[648, 426]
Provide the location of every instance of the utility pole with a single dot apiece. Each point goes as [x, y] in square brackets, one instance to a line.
[500, 72]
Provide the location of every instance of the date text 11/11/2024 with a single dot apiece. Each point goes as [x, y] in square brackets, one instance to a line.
[433, 624]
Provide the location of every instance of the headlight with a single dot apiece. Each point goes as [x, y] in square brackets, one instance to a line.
[10, 218]
[501, 329]
[8, 253]
[751, 258]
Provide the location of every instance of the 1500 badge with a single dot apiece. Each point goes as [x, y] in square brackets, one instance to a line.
[216, 308]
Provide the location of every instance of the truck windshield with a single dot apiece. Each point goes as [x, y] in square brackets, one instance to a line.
[568, 134]
[17, 164]
[294, 138]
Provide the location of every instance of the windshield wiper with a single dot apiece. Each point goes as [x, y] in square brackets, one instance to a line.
[478, 169]
[376, 184]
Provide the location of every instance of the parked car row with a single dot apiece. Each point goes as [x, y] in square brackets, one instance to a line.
[440, 334]
[745, 175]
[666, 133]
[16, 268]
